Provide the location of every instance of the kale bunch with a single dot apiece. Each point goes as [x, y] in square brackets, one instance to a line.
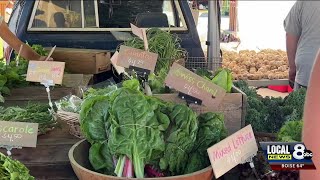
[269, 114]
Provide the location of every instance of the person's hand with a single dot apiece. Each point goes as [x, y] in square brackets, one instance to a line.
[292, 77]
[43, 58]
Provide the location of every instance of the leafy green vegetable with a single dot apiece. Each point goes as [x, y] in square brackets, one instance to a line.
[268, 114]
[101, 158]
[163, 43]
[94, 116]
[13, 170]
[1, 98]
[211, 130]
[295, 101]
[124, 124]
[33, 113]
[204, 73]
[223, 78]
[291, 132]
[167, 46]
[180, 139]
[11, 76]
[135, 130]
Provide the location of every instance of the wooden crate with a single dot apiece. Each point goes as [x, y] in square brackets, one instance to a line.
[83, 61]
[21, 96]
[49, 160]
[233, 107]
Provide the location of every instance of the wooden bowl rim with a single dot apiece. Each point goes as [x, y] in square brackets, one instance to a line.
[74, 162]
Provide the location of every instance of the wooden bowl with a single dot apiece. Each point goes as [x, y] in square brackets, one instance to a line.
[79, 153]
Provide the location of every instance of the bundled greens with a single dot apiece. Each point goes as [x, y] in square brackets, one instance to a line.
[134, 135]
[211, 130]
[32, 113]
[11, 75]
[291, 132]
[269, 114]
[180, 140]
[222, 77]
[163, 43]
[167, 46]
[13, 170]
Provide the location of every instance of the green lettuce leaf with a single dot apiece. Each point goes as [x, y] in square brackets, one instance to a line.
[135, 130]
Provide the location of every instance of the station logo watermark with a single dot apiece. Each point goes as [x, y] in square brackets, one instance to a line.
[288, 156]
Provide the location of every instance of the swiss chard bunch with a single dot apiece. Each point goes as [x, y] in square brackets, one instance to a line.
[180, 139]
[132, 134]
[211, 130]
[126, 125]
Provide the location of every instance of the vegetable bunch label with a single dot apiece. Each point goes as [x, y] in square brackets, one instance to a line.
[138, 58]
[194, 85]
[18, 134]
[233, 150]
[39, 71]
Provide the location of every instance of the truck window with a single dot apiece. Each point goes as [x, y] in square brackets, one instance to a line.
[105, 15]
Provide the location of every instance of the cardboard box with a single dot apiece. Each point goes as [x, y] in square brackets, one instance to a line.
[83, 61]
[233, 106]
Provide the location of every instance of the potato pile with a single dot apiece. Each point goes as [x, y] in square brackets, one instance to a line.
[252, 65]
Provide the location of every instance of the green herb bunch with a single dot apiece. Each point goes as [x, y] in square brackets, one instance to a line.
[32, 113]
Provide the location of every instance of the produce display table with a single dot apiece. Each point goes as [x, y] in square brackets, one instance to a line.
[49, 160]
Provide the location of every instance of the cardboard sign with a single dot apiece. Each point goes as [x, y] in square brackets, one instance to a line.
[114, 61]
[233, 150]
[39, 71]
[136, 31]
[142, 34]
[193, 85]
[129, 56]
[18, 134]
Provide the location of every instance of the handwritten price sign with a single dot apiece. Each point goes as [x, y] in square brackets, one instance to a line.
[233, 150]
[39, 71]
[193, 85]
[136, 57]
[18, 134]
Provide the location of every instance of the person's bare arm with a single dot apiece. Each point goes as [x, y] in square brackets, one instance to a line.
[291, 44]
[311, 121]
[27, 52]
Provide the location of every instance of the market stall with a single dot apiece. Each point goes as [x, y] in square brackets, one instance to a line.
[167, 118]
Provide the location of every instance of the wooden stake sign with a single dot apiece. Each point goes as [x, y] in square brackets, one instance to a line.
[18, 134]
[114, 61]
[193, 85]
[142, 34]
[129, 56]
[233, 150]
[40, 71]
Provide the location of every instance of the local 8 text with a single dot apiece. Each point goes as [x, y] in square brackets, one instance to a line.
[290, 166]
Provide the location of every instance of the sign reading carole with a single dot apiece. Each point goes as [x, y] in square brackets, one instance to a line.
[18, 134]
[233, 150]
